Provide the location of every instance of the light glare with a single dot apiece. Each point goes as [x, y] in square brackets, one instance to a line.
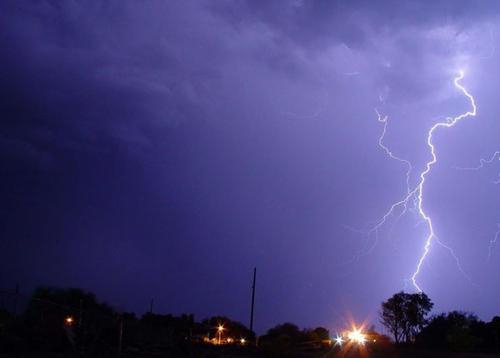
[357, 336]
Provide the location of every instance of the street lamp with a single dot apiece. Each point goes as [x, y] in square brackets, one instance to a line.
[357, 336]
[219, 331]
[68, 321]
[339, 340]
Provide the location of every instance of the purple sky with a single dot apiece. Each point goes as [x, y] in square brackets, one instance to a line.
[162, 149]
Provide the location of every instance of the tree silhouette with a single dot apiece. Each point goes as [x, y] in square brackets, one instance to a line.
[93, 323]
[404, 315]
[232, 328]
[456, 331]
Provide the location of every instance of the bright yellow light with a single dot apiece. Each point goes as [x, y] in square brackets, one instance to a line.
[242, 341]
[220, 328]
[68, 320]
[356, 336]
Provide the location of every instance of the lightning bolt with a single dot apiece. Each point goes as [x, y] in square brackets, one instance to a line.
[385, 121]
[482, 163]
[448, 123]
[375, 228]
[417, 193]
[493, 242]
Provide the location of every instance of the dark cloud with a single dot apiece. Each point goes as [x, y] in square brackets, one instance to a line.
[90, 72]
[318, 23]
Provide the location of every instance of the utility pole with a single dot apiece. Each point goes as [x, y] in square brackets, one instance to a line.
[120, 334]
[16, 298]
[151, 306]
[253, 298]
[80, 314]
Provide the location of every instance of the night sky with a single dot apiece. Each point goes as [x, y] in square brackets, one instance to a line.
[162, 149]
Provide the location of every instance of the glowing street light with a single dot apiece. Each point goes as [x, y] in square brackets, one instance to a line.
[68, 320]
[243, 341]
[339, 340]
[357, 336]
[220, 328]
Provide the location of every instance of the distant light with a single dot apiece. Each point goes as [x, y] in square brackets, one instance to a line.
[356, 336]
[242, 341]
[68, 320]
[339, 340]
[220, 328]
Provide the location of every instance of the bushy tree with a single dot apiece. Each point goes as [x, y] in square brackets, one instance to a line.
[393, 315]
[456, 331]
[318, 334]
[286, 339]
[404, 315]
[492, 335]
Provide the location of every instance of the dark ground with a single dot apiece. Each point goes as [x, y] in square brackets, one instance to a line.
[224, 353]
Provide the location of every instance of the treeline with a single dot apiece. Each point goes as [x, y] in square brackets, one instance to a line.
[73, 320]
[406, 317]
[285, 339]
[460, 332]
[65, 320]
